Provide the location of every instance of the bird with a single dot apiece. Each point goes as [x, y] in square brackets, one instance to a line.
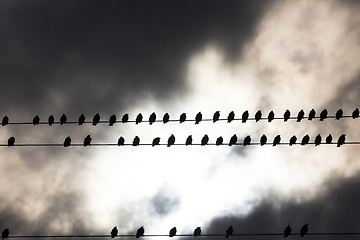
[231, 116]
[304, 230]
[81, 119]
[36, 120]
[233, 140]
[216, 116]
[5, 121]
[247, 140]
[139, 118]
[198, 118]
[51, 120]
[67, 142]
[5, 233]
[277, 140]
[121, 141]
[172, 232]
[63, 119]
[287, 231]
[204, 140]
[125, 118]
[114, 232]
[229, 231]
[140, 232]
[219, 141]
[112, 120]
[87, 141]
[188, 140]
[171, 140]
[152, 118]
[182, 117]
[11, 141]
[292, 140]
[323, 114]
[245, 116]
[341, 140]
[166, 118]
[286, 115]
[136, 141]
[300, 115]
[355, 113]
[258, 115]
[271, 116]
[263, 140]
[305, 140]
[156, 141]
[328, 139]
[312, 114]
[339, 114]
[197, 232]
[318, 140]
[96, 119]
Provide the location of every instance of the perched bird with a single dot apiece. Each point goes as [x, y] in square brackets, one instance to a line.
[87, 141]
[121, 141]
[231, 116]
[286, 115]
[197, 232]
[11, 141]
[247, 140]
[96, 119]
[152, 118]
[5, 121]
[341, 140]
[263, 140]
[339, 114]
[204, 140]
[81, 119]
[304, 230]
[323, 114]
[198, 118]
[125, 118]
[229, 231]
[317, 140]
[287, 231]
[140, 232]
[311, 114]
[63, 119]
[182, 117]
[51, 120]
[258, 115]
[305, 140]
[216, 116]
[136, 141]
[139, 118]
[245, 116]
[277, 140]
[67, 142]
[355, 113]
[172, 232]
[328, 139]
[112, 120]
[188, 140]
[233, 140]
[114, 232]
[5, 233]
[171, 140]
[36, 120]
[219, 141]
[300, 116]
[156, 141]
[271, 116]
[292, 140]
[166, 118]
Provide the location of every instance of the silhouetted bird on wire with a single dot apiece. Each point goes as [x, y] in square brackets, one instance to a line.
[96, 119]
[328, 139]
[263, 140]
[197, 232]
[355, 113]
[245, 116]
[171, 140]
[287, 231]
[229, 231]
[305, 140]
[318, 140]
[136, 141]
[231, 116]
[300, 116]
[81, 119]
[5, 121]
[247, 140]
[114, 232]
[188, 140]
[36, 120]
[139, 118]
[339, 114]
[233, 140]
[112, 120]
[182, 117]
[11, 141]
[286, 115]
[166, 118]
[156, 141]
[63, 119]
[152, 118]
[304, 230]
[172, 232]
[121, 141]
[204, 140]
[341, 140]
[323, 114]
[87, 141]
[292, 140]
[271, 116]
[219, 141]
[67, 142]
[5, 233]
[312, 114]
[198, 118]
[51, 120]
[277, 140]
[140, 232]
[216, 116]
[258, 115]
[125, 118]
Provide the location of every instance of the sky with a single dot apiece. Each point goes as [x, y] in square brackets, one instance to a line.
[115, 57]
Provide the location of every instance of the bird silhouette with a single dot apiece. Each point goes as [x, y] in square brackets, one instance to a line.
[263, 140]
[166, 118]
[231, 116]
[121, 141]
[287, 231]
[216, 116]
[125, 118]
[312, 114]
[286, 115]
[258, 115]
[271, 116]
[355, 113]
[197, 232]
[63, 119]
[136, 141]
[292, 140]
[182, 117]
[198, 118]
[87, 141]
[245, 116]
[5, 233]
[5, 121]
[81, 119]
[318, 140]
[233, 140]
[114, 232]
[247, 141]
[229, 231]
[36, 120]
[204, 140]
[11, 141]
[112, 120]
[188, 140]
[339, 114]
[171, 140]
[300, 115]
[304, 230]
[67, 142]
[156, 141]
[219, 141]
[328, 139]
[172, 232]
[323, 114]
[341, 140]
[277, 140]
[152, 118]
[51, 120]
[96, 119]
[139, 118]
[140, 232]
[305, 140]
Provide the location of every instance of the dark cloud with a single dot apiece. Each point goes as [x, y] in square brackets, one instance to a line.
[164, 203]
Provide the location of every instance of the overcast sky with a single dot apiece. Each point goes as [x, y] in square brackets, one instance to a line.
[115, 57]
